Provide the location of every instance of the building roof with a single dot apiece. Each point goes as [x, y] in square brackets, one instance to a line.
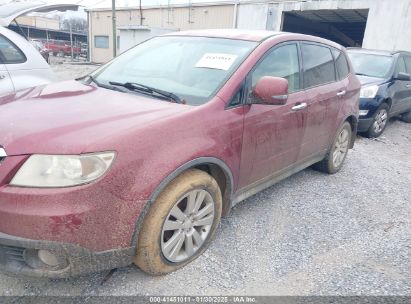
[229, 33]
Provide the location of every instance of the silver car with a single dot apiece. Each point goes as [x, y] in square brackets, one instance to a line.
[21, 65]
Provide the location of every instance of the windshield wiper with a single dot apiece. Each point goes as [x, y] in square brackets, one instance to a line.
[133, 86]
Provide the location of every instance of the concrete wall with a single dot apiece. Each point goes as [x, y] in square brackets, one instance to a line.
[179, 18]
[388, 25]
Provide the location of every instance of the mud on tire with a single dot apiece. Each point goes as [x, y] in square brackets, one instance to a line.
[150, 256]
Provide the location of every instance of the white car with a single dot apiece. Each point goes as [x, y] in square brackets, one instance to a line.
[21, 65]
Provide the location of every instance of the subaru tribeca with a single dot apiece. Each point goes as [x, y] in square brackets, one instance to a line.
[138, 161]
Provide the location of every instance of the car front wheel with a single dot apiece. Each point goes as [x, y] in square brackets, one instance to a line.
[180, 224]
[379, 123]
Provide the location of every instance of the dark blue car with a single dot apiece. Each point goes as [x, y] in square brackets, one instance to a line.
[386, 88]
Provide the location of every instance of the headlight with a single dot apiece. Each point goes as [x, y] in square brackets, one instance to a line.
[363, 112]
[369, 92]
[53, 171]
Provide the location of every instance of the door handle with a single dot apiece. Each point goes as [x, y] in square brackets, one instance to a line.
[299, 107]
[2, 76]
[341, 93]
[408, 85]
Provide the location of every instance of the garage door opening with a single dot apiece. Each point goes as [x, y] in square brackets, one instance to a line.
[344, 26]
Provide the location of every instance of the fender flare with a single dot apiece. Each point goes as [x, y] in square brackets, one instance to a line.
[190, 164]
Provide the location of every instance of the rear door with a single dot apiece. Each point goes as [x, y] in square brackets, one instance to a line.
[324, 97]
[272, 134]
[6, 84]
[11, 57]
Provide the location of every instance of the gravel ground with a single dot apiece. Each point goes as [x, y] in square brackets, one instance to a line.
[311, 234]
[65, 69]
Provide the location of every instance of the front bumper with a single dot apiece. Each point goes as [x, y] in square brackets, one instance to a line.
[18, 256]
[364, 124]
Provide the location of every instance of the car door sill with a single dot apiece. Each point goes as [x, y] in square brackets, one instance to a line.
[269, 181]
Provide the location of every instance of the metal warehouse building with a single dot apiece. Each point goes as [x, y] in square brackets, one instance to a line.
[375, 24]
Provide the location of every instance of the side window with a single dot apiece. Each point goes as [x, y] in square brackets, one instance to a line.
[341, 64]
[280, 62]
[408, 64]
[401, 67]
[318, 65]
[236, 100]
[9, 53]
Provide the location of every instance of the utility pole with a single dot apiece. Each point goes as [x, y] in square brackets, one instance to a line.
[71, 40]
[113, 12]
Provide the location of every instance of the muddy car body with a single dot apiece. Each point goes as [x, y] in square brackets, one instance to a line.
[162, 156]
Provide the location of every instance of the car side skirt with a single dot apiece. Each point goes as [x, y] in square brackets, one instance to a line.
[269, 181]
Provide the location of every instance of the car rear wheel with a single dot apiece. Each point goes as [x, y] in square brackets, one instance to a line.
[334, 160]
[379, 123]
[406, 117]
[180, 224]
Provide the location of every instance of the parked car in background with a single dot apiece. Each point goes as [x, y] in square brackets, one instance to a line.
[386, 88]
[39, 45]
[139, 160]
[21, 65]
[62, 48]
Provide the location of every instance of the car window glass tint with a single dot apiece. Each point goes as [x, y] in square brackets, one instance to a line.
[280, 62]
[318, 65]
[341, 64]
[9, 53]
[408, 64]
[401, 68]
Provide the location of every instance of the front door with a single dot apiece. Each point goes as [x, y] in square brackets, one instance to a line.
[272, 134]
[401, 88]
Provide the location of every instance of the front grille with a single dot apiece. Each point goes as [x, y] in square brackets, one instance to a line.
[11, 253]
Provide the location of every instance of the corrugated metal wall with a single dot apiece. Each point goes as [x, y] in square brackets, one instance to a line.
[178, 18]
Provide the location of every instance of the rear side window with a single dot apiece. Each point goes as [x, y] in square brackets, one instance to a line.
[9, 52]
[280, 62]
[341, 64]
[318, 65]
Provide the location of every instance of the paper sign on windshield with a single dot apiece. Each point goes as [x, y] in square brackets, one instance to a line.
[216, 61]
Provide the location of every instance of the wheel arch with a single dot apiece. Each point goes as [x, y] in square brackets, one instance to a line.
[353, 121]
[217, 168]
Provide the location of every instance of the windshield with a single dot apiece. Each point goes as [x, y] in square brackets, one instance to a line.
[193, 68]
[370, 64]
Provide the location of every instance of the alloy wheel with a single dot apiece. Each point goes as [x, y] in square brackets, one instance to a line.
[340, 148]
[187, 225]
[380, 121]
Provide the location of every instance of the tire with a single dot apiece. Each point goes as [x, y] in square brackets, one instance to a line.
[154, 255]
[406, 117]
[341, 142]
[379, 123]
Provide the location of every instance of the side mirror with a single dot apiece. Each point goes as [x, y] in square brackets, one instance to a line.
[271, 90]
[403, 76]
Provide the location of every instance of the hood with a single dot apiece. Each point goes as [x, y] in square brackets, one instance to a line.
[367, 80]
[71, 118]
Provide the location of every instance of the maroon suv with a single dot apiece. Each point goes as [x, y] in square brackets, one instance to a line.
[138, 161]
